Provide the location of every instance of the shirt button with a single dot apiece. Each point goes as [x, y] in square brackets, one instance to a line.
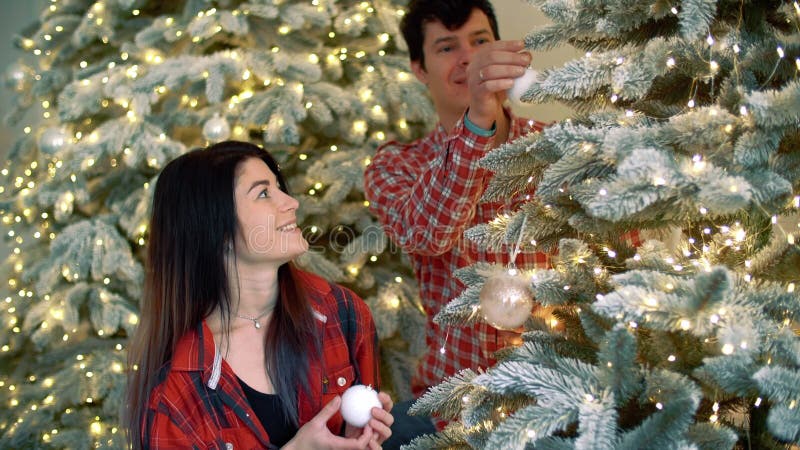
[341, 381]
[228, 446]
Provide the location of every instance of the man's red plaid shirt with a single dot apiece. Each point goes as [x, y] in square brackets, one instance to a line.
[426, 194]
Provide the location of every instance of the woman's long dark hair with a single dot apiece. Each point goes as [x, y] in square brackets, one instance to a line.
[192, 224]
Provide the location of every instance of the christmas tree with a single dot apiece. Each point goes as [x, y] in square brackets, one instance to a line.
[686, 130]
[121, 87]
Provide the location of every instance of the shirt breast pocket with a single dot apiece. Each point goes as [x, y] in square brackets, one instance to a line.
[337, 381]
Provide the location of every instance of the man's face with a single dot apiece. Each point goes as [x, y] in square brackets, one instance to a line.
[447, 54]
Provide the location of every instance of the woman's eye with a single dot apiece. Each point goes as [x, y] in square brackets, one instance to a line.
[263, 194]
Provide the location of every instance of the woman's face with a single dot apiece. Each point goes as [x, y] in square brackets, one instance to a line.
[268, 232]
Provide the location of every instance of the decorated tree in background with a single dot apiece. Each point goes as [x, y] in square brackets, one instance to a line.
[118, 88]
[687, 131]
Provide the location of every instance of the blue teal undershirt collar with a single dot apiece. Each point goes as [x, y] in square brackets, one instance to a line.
[478, 130]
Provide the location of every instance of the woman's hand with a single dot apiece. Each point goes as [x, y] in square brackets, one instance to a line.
[379, 425]
[316, 435]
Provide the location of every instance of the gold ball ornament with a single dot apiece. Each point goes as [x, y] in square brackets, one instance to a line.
[506, 300]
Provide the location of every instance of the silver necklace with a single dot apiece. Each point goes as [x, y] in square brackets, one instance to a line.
[255, 320]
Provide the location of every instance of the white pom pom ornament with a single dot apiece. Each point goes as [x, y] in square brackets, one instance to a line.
[521, 86]
[357, 404]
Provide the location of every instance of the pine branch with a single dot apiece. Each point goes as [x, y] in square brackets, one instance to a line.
[446, 399]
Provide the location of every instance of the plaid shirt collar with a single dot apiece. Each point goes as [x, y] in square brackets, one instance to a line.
[197, 351]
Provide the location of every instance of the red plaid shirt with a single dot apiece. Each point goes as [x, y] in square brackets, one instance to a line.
[426, 194]
[198, 402]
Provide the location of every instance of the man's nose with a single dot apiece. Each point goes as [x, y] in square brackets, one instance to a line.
[465, 54]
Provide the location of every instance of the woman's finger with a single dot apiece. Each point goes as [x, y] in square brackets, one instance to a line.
[386, 401]
[329, 410]
[382, 430]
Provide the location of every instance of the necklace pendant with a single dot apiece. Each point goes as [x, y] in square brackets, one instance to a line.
[258, 325]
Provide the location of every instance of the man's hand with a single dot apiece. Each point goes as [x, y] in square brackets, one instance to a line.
[492, 71]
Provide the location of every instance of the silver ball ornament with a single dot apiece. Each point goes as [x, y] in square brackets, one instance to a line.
[521, 86]
[18, 76]
[52, 140]
[216, 129]
[506, 300]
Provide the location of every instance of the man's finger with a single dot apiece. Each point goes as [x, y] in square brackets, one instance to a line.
[512, 45]
[500, 85]
[500, 72]
[494, 58]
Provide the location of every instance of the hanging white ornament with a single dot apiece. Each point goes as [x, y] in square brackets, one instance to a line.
[216, 129]
[52, 140]
[357, 404]
[506, 300]
[521, 86]
[18, 76]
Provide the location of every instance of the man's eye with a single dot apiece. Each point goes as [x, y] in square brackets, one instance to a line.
[445, 49]
[481, 41]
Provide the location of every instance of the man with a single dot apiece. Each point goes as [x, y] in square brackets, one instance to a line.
[427, 193]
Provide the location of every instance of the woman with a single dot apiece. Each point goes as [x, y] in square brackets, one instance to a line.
[237, 348]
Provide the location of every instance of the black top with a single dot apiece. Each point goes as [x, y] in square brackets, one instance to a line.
[268, 409]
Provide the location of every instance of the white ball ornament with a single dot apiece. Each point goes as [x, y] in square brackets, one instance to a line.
[52, 140]
[357, 404]
[506, 300]
[216, 129]
[521, 86]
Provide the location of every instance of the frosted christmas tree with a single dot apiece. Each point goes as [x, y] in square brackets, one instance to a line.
[686, 130]
[119, 88]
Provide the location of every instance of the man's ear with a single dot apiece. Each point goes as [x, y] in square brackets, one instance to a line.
[419, 72]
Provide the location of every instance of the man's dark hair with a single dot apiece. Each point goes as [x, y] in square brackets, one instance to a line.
[451, 13]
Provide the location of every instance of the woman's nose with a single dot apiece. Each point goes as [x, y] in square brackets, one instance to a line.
[290, 203]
